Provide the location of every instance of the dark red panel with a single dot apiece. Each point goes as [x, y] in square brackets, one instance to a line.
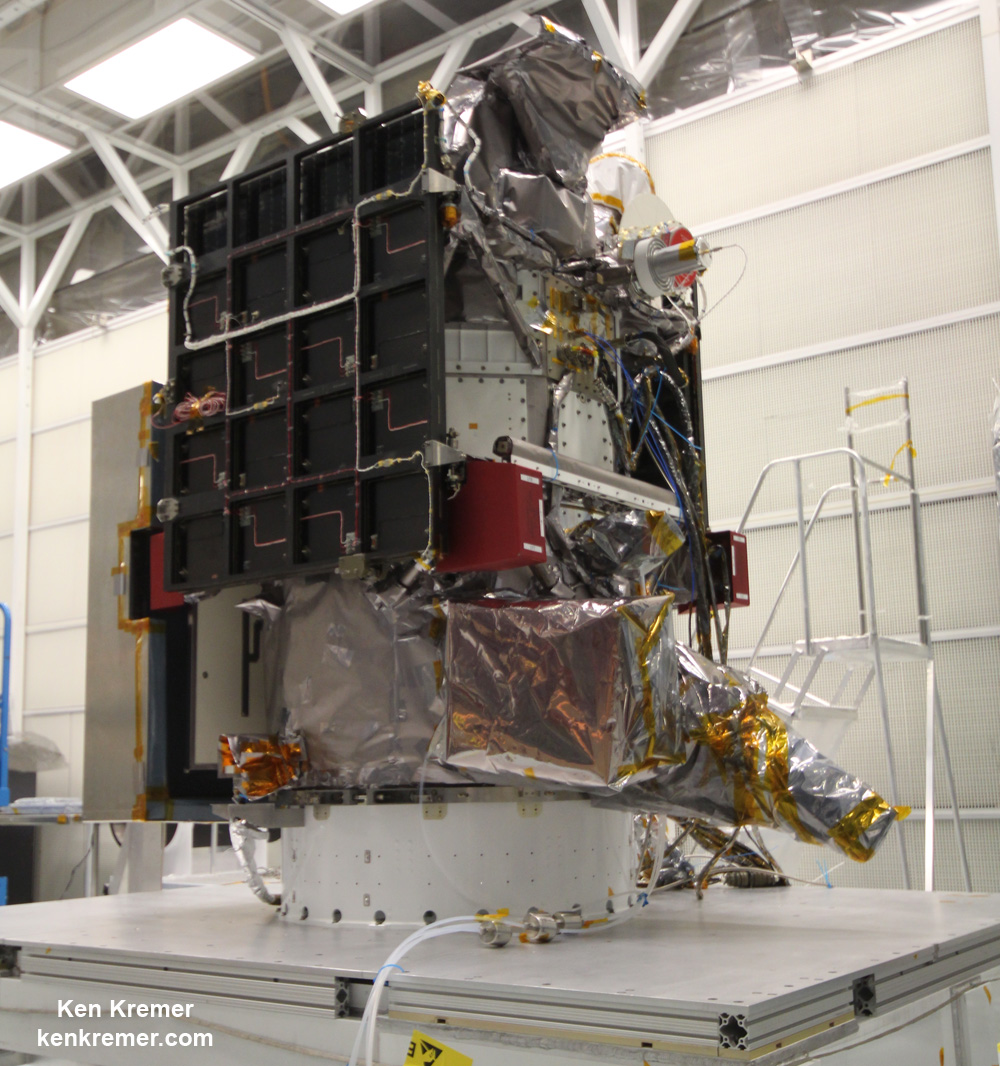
[496, 521]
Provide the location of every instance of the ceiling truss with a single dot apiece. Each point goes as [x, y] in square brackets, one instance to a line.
[136, 165]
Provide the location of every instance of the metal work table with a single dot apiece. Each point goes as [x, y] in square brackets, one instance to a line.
[761, 974]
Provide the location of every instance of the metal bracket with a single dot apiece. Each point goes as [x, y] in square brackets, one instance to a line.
[865, 996]
[263, 815]
[733, 1031]
[435, 181]
[8, 961]
[438, 454]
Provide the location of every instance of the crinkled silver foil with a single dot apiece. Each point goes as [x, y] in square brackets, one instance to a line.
[566, 692]
[523, 125]
[360, 681]
[596, 695]
[742, 765]
[564, 219]
[555, 99]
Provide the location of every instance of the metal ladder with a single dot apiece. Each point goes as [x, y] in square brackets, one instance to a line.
[866, 652]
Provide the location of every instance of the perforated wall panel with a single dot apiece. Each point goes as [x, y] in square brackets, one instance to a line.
[963, 574]
[799, 407]
[871, 258]
[827, 128]
[982, 842]
[821, 273]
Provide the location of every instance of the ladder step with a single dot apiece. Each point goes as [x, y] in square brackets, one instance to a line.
[812, 712]
[862, 649]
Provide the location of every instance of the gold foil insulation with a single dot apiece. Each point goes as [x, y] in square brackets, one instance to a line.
[597, 695]
[260, 765]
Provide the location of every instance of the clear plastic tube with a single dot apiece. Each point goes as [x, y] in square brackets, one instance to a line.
[366, 1031]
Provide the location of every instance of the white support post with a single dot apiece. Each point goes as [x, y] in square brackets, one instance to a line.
[373, 50]
[240, 159]
[22, 489]
[138, 225]
[607, 33]
[635, 141]
[929, 779]
[373, 98]
[628, 31]
[156, 233]
[30, 307]
[298, 49]
[9, 304]
[60, 261]
[302, 130]
[180, 183]
[450, 62]
[666, 37]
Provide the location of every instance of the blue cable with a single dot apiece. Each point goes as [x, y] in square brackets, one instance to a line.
[602, 343]
[653, 446]
[656, 400]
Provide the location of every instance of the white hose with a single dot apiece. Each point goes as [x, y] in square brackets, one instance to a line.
[244, 836]
[366, 1031]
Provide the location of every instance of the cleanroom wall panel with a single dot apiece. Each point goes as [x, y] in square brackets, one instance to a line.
[60, 473]
[780, 349]
[69, 377]
[920, 97]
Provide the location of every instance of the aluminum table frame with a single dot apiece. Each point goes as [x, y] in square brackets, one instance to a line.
[759, 974]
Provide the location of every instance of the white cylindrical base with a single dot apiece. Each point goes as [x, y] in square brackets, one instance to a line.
[412, 863]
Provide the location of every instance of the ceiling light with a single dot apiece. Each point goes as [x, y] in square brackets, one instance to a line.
[345, 7]
[22, 153]
[166, 66]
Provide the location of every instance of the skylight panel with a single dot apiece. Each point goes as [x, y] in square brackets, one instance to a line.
[22, 153]
[161, 68]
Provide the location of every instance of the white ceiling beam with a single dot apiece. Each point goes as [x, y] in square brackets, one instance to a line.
[280, 117]
[240, 159]
[61, 186]
[137, 224]
[323, 49]
[515, 11]
[431, 13]
[302, 130]
[9, 304]
[222, 113]
[607, 33]
[60, 261]
[628, 31]
[7, 195]
[298, 49]
[148, 132]
[156, 234]
[451, 61]
[67, 120]
[15, 9]
[666, 37]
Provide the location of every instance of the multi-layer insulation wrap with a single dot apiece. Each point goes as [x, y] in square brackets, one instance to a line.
[360, 680]
[597, 695]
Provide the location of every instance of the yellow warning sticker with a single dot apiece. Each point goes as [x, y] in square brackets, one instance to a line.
[424, 1051]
